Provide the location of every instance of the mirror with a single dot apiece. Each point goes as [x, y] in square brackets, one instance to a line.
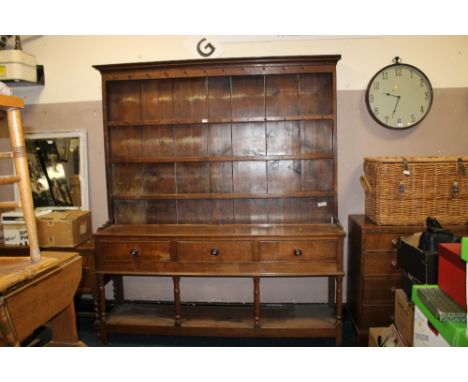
[58, 169]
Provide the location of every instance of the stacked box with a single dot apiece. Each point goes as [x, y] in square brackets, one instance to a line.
[454, 333]
[418, 267]
[452, 272]
[64, 228]
[404, 316]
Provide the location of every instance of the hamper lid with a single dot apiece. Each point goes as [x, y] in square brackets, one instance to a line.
[413, 159]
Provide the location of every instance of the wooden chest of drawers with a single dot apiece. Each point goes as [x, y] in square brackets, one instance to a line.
[373, 274]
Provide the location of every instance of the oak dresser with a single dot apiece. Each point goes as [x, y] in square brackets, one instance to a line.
[226, 168]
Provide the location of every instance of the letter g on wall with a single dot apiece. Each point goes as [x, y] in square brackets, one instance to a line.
[205, 48]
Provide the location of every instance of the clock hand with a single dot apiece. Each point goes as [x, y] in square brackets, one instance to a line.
[398, 100]
[391, 95]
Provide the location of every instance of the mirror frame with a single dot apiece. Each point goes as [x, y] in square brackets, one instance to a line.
[82, 135]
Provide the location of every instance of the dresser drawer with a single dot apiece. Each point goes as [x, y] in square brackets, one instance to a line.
[297, 250]
[380, 263]
[381, 289]
[381, 241]
[136, 251]
[376, 315]
[214, 251]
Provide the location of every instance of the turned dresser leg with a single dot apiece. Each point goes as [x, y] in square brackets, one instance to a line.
[176, 280]
[339, 311]
[102, 310]
[256, 281]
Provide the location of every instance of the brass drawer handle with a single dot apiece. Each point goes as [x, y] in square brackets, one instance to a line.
[394, 264]
[297, 252]
[392, 289]
[214, 252]
[134, 252]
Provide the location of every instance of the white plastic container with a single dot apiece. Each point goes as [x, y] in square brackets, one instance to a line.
[424, 336]
[14, 226]
[16, 65]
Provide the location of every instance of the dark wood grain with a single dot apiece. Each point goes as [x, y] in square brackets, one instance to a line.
[283, 138]
[219, 98]
[157, 100]
[158, 178]
[124, 101]
[156, 141]
[248, 97]
[315, 94]
[282, 96]
[189, 99]
[221, 178]
[191, 140]
[249, 177]
[248, 139]
[125, 141]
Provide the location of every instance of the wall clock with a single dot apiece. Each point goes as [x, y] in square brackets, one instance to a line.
[399, 96]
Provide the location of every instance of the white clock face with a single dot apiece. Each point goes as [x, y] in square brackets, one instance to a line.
[399, 96]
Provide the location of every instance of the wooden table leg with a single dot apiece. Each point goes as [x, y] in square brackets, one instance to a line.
[64, 330]
[7, 331]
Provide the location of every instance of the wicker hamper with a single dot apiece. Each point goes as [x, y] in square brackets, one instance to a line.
[406, 190]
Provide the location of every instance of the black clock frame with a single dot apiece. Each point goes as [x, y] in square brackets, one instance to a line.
[369, 109]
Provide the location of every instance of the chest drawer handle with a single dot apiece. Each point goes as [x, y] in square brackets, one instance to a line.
[214, 252]
[134, 252]
[297, 252]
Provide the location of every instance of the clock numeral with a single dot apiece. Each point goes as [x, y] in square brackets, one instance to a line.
[411, 73]
[376, 85]
[398, 72]
[422, 109]
[427, 96]
[371, 98]
[386, 118]
[376, 110]
[421, 82]
[385, 76]
[399, 120]
[413, 118]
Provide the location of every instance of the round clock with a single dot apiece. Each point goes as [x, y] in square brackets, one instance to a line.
[399, 96]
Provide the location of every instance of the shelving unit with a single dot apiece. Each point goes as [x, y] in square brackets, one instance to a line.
[222, 168]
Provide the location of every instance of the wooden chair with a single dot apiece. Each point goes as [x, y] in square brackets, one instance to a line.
[40, 288]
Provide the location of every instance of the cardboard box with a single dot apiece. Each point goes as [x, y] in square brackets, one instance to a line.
[464, 256]
[385, 337]
[64, 228]
[453, 333]
[404, 316]
[14, 226]
[452, 273]
[425, 334]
